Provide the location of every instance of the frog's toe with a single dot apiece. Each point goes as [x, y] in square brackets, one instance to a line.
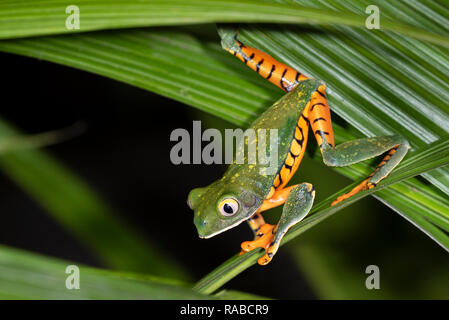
[269, 254]
[364, 185]
[228, 34]
[263, 239]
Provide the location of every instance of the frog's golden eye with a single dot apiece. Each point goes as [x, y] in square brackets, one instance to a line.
[228, 207]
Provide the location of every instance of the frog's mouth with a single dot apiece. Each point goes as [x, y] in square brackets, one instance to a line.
[207, 236]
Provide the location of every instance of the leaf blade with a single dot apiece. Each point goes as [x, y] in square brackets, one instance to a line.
[31, 18]
[31, 276]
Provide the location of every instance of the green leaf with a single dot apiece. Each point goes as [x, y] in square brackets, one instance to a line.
[25, 275]
[416, 163]
[38, 140]
[76, 207]
[173, 64]
[30, 276]
[43, 17]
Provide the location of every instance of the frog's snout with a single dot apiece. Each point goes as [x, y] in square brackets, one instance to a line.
[201, 225]
[189, 203]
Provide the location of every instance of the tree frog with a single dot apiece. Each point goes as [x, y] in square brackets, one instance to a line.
[243, 193]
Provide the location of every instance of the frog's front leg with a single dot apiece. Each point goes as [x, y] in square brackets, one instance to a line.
[257, 222]
[277, 199]
[298, 203]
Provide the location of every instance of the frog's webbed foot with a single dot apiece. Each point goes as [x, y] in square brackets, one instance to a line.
[263, 239]
[298, 204]
[256, 223]
[228, 35]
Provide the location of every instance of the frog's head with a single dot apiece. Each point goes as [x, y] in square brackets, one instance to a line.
[219, 207]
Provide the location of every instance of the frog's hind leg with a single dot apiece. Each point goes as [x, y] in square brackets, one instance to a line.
[297, 205]
[397, 146]
[354, 151]
[265, 65]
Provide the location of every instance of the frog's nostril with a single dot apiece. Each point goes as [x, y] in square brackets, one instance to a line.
[201, 226]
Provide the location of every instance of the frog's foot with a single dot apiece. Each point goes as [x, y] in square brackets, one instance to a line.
[264, 239]
[298, 204]
[228, 34]
[365, 185]
[270, 251]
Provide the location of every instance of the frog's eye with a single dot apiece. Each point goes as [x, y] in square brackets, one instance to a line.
[228, 207]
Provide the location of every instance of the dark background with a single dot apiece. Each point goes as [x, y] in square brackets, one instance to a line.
[124, 156]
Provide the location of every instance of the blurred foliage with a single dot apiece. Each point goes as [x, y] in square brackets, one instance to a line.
[30, 276]
[81, 211]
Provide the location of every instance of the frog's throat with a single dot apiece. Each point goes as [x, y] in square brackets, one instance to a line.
[229, 227]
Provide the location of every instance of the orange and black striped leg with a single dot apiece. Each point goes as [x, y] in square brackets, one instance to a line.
[320, 117]
[265, 65]
[354, 151]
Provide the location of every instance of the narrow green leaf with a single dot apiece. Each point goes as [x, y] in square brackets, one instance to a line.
[32, 141]
[430, 222]
[25, 275]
